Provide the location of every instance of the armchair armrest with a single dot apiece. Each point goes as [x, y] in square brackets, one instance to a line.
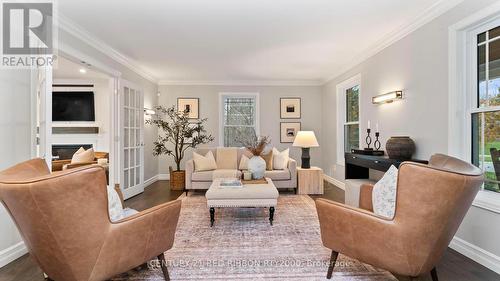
[355, 232]
[72, 166]
[152, 230]
[189, 173]
[292, 167]
[365, 197]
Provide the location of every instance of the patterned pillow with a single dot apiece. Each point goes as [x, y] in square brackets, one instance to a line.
[384, 194]
[114, 205]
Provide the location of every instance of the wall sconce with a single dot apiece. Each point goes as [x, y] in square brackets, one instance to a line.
[148, 111]
[387, 98]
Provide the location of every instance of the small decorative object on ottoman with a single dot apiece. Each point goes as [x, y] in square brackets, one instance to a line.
[401, 148]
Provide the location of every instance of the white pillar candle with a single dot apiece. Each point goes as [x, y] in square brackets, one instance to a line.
[376, 128]
[368, 124]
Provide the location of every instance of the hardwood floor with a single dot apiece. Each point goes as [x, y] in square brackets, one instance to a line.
[453, 266]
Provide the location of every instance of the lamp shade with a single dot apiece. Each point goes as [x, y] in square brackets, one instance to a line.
[305, 139]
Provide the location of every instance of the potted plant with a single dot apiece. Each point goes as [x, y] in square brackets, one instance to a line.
[256, 145]
[178, 135]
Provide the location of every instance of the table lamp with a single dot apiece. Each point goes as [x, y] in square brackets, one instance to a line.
[306, 140]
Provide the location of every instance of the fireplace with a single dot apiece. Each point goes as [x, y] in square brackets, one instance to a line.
[66, 151]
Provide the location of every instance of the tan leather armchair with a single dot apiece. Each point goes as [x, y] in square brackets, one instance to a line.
[63, 219]
[431, 202]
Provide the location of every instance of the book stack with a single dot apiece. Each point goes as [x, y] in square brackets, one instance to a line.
[230, 182]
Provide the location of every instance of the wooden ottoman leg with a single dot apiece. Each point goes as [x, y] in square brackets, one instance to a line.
[212, 216]
[271, 215]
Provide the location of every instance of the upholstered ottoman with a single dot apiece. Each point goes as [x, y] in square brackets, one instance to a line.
[263, 195]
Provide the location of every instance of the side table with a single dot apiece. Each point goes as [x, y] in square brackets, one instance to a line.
[310, 181]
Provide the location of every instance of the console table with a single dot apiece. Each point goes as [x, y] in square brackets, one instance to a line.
[357, 166]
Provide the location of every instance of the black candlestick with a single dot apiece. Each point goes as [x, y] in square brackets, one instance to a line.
[377, 141]
[368, 140]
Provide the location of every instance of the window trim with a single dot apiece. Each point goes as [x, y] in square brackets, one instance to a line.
[222, 95]
[341, 114]
[461, 47]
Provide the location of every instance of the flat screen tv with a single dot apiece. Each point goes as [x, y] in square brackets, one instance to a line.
[73, 106]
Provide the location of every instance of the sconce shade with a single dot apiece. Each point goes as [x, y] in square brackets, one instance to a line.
[387, 98]
[305, 139]
[148, 111]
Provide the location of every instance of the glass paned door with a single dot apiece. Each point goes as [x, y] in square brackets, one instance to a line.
[132, 124]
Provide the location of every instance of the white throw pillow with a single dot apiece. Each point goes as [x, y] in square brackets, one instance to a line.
[280, 159]
[83, 156]
[384, 194]
[114, 205]
[244, 162]
[204, 163]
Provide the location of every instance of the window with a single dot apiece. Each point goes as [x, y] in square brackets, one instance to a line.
[348, 94]
[239, 117]
[485, 111]
[351, 123]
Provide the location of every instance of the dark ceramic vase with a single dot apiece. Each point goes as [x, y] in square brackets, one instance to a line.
[400, 148]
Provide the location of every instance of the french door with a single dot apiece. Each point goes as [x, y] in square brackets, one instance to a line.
[41, 88]
[132, 141]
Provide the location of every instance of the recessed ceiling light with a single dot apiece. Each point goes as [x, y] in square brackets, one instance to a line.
[83, 70]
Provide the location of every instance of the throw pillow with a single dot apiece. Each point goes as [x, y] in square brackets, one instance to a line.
[269, 160]
[227, 158]
[244, 162]
[384, 194]
[83, 156]
[280, 159]
[204, 163]
[115, 207]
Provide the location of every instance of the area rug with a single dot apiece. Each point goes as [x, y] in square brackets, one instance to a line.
[242, 245]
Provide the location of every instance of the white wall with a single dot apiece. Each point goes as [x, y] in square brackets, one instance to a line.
[417, 64]
[269, 97]
[15, 146]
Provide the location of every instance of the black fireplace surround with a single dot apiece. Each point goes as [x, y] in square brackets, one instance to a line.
[66, 151]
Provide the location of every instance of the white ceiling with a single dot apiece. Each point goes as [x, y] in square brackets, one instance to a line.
[242, 40]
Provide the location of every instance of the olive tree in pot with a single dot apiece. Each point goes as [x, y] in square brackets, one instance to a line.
[177, 134]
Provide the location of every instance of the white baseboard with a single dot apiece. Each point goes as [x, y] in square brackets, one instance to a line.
[150, 181]
[334, 181]
[476, 254]
[163, 177]
[12, 253]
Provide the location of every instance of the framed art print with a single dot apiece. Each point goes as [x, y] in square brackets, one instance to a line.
[288, 131]
[189, 106]
[290, 108]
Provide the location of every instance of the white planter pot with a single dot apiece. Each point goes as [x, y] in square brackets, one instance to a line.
[257, 166]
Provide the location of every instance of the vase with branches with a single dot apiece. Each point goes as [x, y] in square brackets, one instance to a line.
[177, 134]
[256, 145]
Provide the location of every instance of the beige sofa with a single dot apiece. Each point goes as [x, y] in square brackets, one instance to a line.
[202, 180]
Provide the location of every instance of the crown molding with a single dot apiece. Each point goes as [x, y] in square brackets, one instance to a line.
[82, 34]
[420, 20]
[240, 82]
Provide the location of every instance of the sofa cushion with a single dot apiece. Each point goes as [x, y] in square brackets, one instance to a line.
[280, 159]
[202, 176]
[83, 156]
[226, 173]
[227, 158]
[278, 175]
[204, 163]
[243, 163]
[208, 176]
[269, 160]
